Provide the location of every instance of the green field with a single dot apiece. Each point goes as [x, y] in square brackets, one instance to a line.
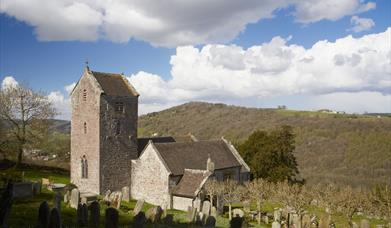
[24, 212]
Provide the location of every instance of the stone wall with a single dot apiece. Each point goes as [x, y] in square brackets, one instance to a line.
[85, 143]
[181, 203]
[118, 147]
[150, 178]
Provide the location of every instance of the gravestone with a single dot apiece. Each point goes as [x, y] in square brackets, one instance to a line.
[296, 220]
[154, 214]
[67, 195]
[23, 189]
[364, 223]
[75, 197]
[116, 199]
[206, 208]
[139, 220]
[138, 207]
[57, 201]
[94, 214]
[190, 214]
[111, 218]
[43, 215]
[107, 196]
[213, 212]
[37, 186]
[236, 222]
[200, 218]
[55, 218]
[125, 194]
[237, 212]
[210, 222]
[82, 214]
[6, 205]
[197, 205]
[277, 215]
[45, 182]
[276, 224]
[265, 219]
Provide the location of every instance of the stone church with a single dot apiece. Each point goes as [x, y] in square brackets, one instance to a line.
[106, 153]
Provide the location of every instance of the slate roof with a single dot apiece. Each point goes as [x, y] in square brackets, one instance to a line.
[193, 155]
[191, 183]
[142, 142]
[114, 84]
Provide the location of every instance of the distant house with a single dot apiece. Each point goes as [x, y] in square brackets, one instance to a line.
[106, 153]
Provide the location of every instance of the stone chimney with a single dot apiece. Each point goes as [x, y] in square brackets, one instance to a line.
[210, 165]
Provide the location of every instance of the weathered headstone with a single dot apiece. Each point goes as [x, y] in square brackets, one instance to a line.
[111, 218]
[277, 215]
[154, 214]
[197, 205]
[55, 218]
[82, 214]
[206, 208]
[237, 212]
[57, 201]
[276, 224]
[364, 223]
[94, 214]
[210, 222]
[236, 222]
[116, 199]
[107, 196]
[75, 198]
[138, 207]
[139, 220]
[125, 194]
[37, 186]
[23, 189]
[43, 215]
[213, 212]
[67, 195]
[190, 214]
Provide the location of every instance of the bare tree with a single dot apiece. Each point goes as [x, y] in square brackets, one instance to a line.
[230, 194]
[213, 189]
[381, 201]
[258, 190]
[27, 112]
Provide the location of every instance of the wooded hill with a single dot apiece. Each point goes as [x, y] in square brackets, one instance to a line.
[340, 148]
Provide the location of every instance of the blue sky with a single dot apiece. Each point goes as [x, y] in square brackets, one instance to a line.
[160, 53]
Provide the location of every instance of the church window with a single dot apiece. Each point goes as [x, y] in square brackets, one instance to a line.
[119, 106]
[84, 167]
[84, 95]
[85, 128]
[118, 128]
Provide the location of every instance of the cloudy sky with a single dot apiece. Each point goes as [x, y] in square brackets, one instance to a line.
[305, 54]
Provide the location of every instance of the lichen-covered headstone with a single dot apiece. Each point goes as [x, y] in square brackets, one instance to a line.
[116, 198]
[125, 194]
[75, 198]
[111, 218]
[206, 208]
[94, 214]
[138, 207]
[43, 215]
[55, 218]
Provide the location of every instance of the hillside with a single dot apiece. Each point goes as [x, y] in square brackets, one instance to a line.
[342, 148]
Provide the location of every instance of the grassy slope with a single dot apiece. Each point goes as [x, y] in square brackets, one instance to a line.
[348, 149]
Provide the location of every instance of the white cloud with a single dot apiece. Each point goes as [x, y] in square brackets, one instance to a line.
[361, 24]
[8, 82]
[61, 103]
[69, 88]
[164, 23]
[231, 74]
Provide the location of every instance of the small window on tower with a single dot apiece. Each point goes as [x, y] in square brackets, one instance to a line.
[84, 95]
[84, 167]
[118, 128]
[85, 128]
[119, 106]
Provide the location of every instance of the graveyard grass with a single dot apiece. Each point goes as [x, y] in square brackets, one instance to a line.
[24, 212]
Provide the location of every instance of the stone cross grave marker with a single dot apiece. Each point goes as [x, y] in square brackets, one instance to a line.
[94, 214]
[55, 218]
[138, 207]
[43, 214]
[75, 197]
[206, 208]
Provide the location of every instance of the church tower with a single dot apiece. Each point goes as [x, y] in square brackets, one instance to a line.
[103, 131]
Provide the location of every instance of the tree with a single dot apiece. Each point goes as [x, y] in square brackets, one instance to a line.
[27, 112]
[270, 154]
[213, 188]
[381, 200]
[230, 194]
[259, 191]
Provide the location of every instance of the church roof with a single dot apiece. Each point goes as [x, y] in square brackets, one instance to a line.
[114, 84]
[142, 142]
[193, 155]
[191, 183]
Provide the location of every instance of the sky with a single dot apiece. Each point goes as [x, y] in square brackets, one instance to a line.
[307, 55]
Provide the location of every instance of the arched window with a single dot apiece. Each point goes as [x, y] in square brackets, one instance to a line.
[84, 95]
[85, 127]
[118, 128]
[84, 167]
